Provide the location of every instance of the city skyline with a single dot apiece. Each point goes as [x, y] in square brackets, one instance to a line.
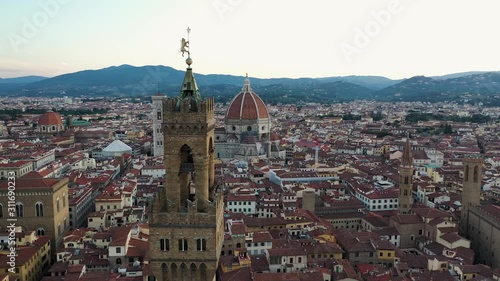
[392, 38]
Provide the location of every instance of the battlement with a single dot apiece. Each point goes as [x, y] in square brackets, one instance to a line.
[175, 106]
[473, 160]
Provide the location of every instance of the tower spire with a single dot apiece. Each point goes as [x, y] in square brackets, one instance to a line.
[189, 88]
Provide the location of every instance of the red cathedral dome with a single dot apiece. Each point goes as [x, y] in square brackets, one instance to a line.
[247, 105]
[49, 119]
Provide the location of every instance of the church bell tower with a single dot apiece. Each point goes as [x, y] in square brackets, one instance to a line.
[186, 224]
[406, 179]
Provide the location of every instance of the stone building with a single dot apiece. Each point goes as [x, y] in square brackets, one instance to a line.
[479, 223]
[50, 123]
[247, 130]
[406, 169]
[186, 225]
[41, 204]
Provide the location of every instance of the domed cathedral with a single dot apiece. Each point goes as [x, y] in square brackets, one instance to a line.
[50, 123]
[186, 223]
[247, 128]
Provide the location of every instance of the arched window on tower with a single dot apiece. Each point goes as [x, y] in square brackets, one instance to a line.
[187, 174]
[476, 173]
[466, 173]
[407, 180]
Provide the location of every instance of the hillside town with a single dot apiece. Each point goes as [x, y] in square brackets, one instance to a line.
[348, 191]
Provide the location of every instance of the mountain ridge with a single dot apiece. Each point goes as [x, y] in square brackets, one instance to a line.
[129, 80]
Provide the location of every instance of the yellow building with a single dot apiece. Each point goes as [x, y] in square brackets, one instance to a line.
[41, 204]
[31, 260]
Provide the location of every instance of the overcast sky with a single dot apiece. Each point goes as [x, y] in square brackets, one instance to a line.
[266, 38]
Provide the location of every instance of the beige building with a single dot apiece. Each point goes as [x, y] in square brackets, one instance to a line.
[19, 168]
[186, 225]
[33, 257]
[41, 204]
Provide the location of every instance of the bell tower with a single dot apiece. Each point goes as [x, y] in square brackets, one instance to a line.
[186, 225]
[471, 192]
[406, 179]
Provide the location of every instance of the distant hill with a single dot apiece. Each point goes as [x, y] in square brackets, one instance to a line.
[127, 80]
[130, 80]
[420, 88]
[22, 80]
[11, 84]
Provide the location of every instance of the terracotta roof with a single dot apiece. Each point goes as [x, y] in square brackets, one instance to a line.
[50, 118]
[247, 105]
[33, 180]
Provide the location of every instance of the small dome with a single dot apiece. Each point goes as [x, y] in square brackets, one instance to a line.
[117, 146]
[50, 118]
[247, 105]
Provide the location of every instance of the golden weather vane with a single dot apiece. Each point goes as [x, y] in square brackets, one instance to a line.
[185, 44]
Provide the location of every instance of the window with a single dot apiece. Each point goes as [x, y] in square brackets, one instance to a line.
[183, 245]
[158, 115]
[40, 231]
[249, 128]
[57, 205]
[300, 259]
[39, 209]
[118, 250]
[201, 244]
[164, 245]
[19, 210]
[1, 211]
[64, 200]
[59, 229]
[381, 254]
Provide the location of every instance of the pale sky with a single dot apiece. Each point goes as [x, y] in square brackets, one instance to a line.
[266, 38]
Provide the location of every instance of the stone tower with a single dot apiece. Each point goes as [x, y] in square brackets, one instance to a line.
[187, 218]
[473, 173]
[406, 179]
[157, 124]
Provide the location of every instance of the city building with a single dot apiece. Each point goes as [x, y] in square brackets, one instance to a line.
[479, 223]
[406, 169]
[50, 123]
[41, 205]
[187, 218]
[246, 133]
[33, 257]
